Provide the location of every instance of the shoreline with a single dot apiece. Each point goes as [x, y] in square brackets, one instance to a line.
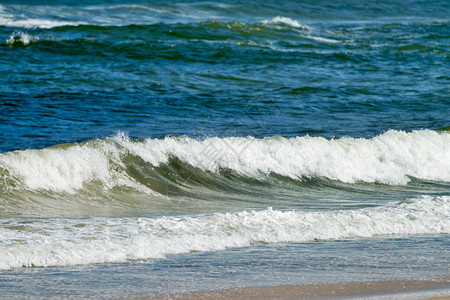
[400, 289]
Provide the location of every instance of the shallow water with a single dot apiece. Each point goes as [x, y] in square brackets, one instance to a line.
[320, 262]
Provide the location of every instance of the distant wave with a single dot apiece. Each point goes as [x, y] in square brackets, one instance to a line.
[37, 23]
[21, 38]
[279, 20]
[29, 23]
[178, 40]
[42, 16]
[391, 158]
[50, 16]
[151, 34]
[77, 241]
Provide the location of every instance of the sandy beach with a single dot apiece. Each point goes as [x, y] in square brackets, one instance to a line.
[402, 289]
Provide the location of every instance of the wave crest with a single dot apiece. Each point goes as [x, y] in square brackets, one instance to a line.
[391, 158]
[279, 20]
[21, 39]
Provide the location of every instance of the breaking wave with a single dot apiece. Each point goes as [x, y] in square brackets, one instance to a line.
[77, 241]
[391, 158]
[21, 39]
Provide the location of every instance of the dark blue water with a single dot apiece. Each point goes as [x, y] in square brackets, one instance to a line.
[154, 69]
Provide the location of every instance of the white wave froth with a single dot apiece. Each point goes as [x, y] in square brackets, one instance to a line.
[21, 38]
[279, 20]
[36, 23]
[391, 158]
[67, 170]
[64, 242]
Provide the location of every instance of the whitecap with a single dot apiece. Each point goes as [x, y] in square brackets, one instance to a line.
[285, 21]
[21, 38]
[390, 158]
[36, 23]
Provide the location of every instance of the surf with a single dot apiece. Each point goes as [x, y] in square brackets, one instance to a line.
[390, 158]
[81, 241]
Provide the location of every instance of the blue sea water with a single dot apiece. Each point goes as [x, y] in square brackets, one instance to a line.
[142, 135]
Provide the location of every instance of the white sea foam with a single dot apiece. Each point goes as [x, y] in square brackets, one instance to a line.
[295, 24]
[390, 158]
[285, 21]
[57, 169]
[36, 23]
[63, 242]
[67, 170]
[21, 37]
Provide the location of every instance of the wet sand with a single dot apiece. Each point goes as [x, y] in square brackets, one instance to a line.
[406, 289]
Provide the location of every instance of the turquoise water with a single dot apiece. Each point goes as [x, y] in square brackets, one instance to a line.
[138, 136]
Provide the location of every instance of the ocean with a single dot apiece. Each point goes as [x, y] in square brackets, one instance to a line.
[152, 147]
